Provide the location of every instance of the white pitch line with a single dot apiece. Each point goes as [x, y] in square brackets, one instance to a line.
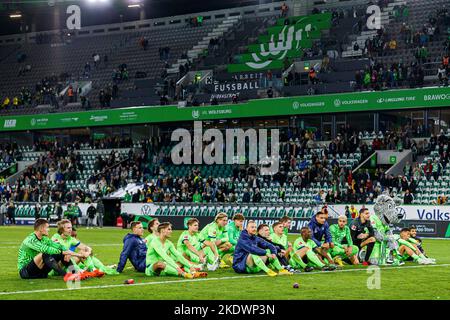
[209, 279]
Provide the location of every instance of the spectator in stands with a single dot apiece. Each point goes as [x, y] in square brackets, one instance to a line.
[442, 75]
[408, 197]
[269, 92]
[6, 103]
[312, 75]
[284, 10]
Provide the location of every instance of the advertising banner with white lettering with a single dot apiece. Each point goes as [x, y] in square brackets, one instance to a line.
[410, 212]
[300, 105]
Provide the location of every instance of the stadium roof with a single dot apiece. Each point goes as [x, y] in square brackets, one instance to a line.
[42, 15]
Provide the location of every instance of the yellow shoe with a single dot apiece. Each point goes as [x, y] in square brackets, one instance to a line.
[338, 261]
[271, 273]
[223, 264]
[188, 275]
[284, 272]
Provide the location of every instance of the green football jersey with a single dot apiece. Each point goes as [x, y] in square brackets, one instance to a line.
[213, 232]
[193, 240]
[150, 238]
[300, 243]
[338, 235]
[159, 252]
[281, 240]
[69, 243]
[233, 233]
[32, 246]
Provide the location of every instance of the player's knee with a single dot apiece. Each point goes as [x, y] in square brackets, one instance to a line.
[159, 266]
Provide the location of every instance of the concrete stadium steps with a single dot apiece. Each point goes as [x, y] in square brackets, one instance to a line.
[225, 26]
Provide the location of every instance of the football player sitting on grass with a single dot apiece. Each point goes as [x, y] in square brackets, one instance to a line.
[87, 261]
[134, 248]
[164, 260]
[253, 254]
[280, 238]
[264, 233]
[414, 236]
[321, 232]
[408, 249]
[214, 237]
[153, 230]
[191, 247]
[343, 244]
[234, 229]
[38, 255]
[306, 255]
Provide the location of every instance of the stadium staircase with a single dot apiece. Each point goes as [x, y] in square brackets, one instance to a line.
[225, 26]
[370, 34]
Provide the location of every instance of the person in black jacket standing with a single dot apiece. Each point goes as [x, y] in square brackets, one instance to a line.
[11, 213]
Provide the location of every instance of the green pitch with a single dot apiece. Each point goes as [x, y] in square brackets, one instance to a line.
[410, 281]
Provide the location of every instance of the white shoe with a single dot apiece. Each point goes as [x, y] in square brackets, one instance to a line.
[432, 261]
[423, 261]
[212, 267]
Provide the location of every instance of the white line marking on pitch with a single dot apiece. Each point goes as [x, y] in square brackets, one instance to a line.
[208, 279]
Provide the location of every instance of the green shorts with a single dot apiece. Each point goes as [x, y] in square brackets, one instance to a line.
[254, 269]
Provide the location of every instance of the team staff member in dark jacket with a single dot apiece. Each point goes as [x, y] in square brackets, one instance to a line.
[134, 248]
[250, 255]
[320, 229]
[363, 234]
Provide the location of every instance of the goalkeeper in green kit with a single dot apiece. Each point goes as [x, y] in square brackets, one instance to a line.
[163, 259]
[38, 255]
[343, 244]
[214, 237]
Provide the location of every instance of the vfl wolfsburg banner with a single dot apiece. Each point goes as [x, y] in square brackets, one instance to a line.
[282, 42]
[330, 103]
[279, 46]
